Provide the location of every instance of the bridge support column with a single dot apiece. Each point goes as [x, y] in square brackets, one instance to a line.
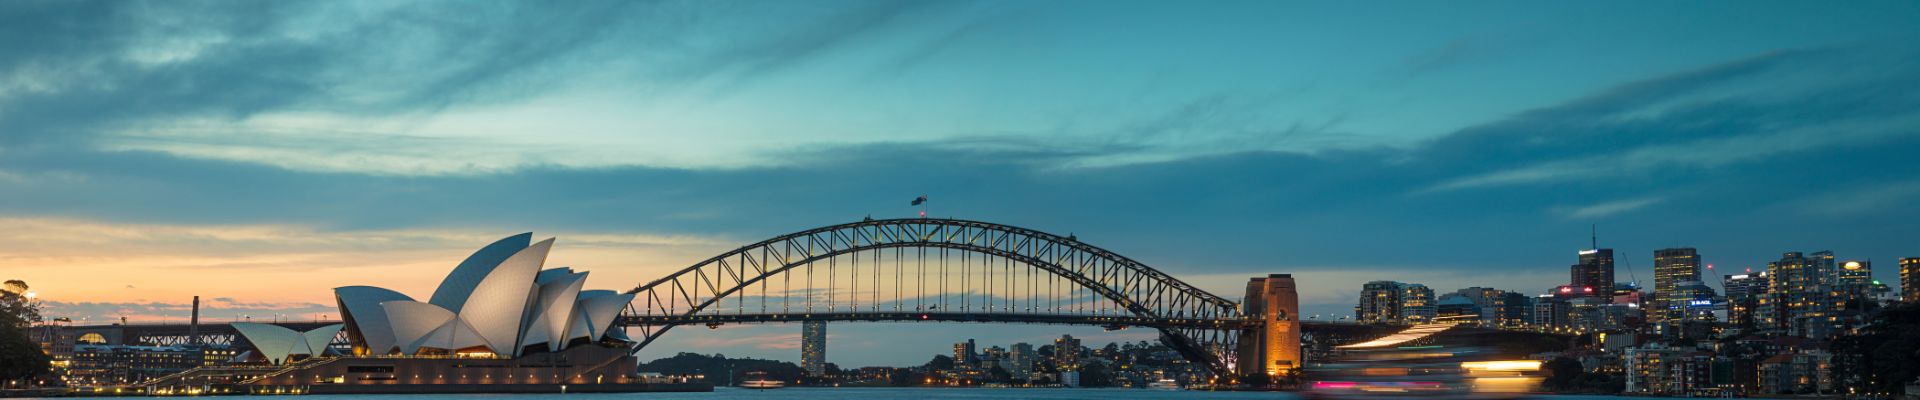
[1273, 349]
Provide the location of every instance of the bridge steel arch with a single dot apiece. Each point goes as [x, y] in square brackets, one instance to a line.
[1201, 326]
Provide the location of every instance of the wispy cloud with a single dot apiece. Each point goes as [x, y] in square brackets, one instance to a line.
[1613, 207]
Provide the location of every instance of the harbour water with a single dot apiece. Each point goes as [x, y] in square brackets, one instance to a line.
[727, 393]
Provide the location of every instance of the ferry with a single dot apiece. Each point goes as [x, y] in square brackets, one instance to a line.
[1164, 384]
[758, 380]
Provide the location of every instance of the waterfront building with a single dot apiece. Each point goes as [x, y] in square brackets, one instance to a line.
[1670, 268]
[1389, 302]
[94, 364]
[499, 318]
[1380, 302]
[1593, 275]
[1910, 279]
[813, 348]
[1417, 303]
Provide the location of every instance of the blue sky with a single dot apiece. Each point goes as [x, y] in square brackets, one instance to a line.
[261, 152]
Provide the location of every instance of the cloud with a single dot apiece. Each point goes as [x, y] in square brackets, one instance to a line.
[1613, 207]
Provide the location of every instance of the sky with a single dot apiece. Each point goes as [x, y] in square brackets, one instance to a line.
[258, 154]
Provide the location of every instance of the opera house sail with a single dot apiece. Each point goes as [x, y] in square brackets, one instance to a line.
[498, 302]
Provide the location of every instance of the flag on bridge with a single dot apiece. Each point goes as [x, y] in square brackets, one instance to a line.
[920, 200]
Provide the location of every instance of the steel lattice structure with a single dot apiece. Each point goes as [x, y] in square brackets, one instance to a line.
[879, 270]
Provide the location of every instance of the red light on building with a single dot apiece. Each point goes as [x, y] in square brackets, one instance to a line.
[1564, 289]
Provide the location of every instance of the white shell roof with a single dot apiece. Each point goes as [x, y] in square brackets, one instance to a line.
[498, 298]
[276, 343]
[360, 307]
[458, 286]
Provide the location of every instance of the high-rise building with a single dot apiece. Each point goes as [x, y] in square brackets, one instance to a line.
[1910, 279]
[813, 347]
[1417, 303]
[1066, 353]
[1021, 357]
[963, 354]
[1595, 271]
[1744, 292]
[1852, 284]
[1670, 267]
[1799, 297]
[1379, 303]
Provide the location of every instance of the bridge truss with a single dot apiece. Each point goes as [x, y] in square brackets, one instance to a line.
[938, 270]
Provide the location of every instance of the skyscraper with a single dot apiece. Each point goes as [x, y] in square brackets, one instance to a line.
[813, 347]
[1744, 292]
[1670, 268]
[1910, 279]
[1595, 272]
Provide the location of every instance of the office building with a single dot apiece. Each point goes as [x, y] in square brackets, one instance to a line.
[1670, 268]
[1744, 292]
[1799, 297]
[1593, 276]
[813, 347]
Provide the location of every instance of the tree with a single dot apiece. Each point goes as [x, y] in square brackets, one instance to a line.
[1884, 356]
[1566, 374]
[15, 303]
[20, 357]
[1095, 375]
[998, 374]
[940, 363]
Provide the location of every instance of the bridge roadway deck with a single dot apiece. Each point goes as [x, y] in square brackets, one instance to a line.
[943, 316]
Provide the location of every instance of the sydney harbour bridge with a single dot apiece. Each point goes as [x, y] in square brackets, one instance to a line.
[946, 270]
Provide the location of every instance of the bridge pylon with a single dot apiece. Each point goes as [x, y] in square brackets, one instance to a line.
[1273, 347]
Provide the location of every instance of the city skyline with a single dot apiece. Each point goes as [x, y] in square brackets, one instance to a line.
[258, 157]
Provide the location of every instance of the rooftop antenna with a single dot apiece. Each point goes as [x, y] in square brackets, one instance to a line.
[1594, 230]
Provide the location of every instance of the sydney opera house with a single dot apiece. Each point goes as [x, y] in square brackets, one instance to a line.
[500, 322]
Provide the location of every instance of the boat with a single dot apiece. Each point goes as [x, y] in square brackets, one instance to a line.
[1164, 384]
[758, 380]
